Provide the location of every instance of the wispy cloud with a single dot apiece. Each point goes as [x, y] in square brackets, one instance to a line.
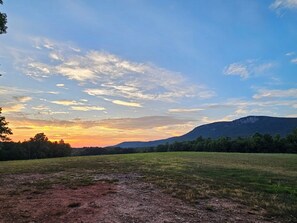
[114, 76]
[237, 69]
[146, 122]
[283, 4]
[40, 108]
[294, 60]
[13, 108]
[23, 99]
[87, 108]
[56, 56]
[267, 93]
[60, 85]
[290, 54]
[248, 68]
[66, 102]
[23, 128]
[185, 110]
[126, 103]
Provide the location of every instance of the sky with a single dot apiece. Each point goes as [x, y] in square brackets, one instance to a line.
[97, 73]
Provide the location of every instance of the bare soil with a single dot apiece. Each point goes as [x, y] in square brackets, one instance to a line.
[112, 199]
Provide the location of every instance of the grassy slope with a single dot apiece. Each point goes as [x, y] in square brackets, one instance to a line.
[267, 181]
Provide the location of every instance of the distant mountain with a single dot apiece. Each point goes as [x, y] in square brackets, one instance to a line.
[243, 127]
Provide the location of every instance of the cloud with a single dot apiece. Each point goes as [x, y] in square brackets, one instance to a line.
[66, 102]
[294, 60]
[247, 68]
[87, 108]
[283, 4]
[146, 122]
[19, 93]
[38, 70]
[30, 122]
[241, 111]
[112, 74]
[58, 112]
[24, 128]
[265, 93]
[290, 54]
[55, 56]
[60, 85]
[125, 103]
[237, 69]
[262, 67]
[13, 108]
[23, 99]
[184, 110]
[40, 108]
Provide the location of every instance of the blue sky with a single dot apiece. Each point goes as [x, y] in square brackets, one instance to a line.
[102, 72]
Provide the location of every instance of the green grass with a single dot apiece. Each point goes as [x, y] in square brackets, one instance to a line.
[261, 181]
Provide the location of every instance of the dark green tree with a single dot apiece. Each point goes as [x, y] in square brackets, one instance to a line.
[3, 21]
[4, 129]
[38, 146]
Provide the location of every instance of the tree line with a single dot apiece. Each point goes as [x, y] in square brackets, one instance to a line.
[258, 143]
[40, 147]
[35, 148]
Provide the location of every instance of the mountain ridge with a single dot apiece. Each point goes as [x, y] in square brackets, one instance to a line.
[242, 127]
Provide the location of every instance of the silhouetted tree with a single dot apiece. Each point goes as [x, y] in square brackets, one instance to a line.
[4, 129]
[38, 146]
[3, 21]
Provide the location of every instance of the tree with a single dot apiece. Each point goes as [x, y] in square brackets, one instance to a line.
[4, 129]
[3, 21]
[39, 137]
[38, 146]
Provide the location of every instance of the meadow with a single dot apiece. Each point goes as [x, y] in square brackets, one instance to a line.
[266, 183]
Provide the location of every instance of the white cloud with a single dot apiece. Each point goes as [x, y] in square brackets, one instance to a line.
[262, 67]
[23, 99]
[126, 103]
[290, 54]
[294, 60]
[60, 85]
[237, 69]
[52, 92]
[55, 56]
[58, 112]
[114, 75]
[40, 108]
[266, 93]
[288, 4]
[184, 110]
[241, 111]
[66, 102]
[38, 70]
[87, 108]
[13, 108]
[248, 68]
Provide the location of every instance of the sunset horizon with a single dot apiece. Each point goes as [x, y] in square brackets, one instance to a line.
[98, 73]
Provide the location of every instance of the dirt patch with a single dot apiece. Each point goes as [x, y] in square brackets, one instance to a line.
[112, 199]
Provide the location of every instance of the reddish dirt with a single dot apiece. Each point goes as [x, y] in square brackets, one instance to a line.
[128, 200]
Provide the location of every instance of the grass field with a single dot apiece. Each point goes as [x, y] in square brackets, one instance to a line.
[261, 181]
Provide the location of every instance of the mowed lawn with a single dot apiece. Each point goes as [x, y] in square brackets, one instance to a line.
[261, 181]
